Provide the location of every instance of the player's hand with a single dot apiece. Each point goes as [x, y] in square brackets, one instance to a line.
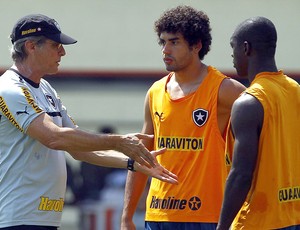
[158, 171]
[132, 146]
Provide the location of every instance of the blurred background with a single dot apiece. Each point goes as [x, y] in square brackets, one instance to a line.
[104, 77]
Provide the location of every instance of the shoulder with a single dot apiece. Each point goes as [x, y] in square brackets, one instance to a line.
[229, 91]
[247, 110]
[247, 116]
[227, 83]
[231, 84]
[10, 83]
[161, 83]
[215, 74]
[8, 77]
[245, 101]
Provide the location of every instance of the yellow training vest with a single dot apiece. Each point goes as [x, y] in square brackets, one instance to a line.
[188, 127]
[274, 198]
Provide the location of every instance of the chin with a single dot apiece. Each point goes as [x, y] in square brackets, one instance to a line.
[52, 72]
[170, 69]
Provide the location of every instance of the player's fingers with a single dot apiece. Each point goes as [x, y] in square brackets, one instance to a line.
[169, 179]
[147, 156]
[140, 159]
[155, 153]
[170, 174]
[143, 136]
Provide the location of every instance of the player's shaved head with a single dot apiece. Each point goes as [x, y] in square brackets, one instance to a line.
[260, 32]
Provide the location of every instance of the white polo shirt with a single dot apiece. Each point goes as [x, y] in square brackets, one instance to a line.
[32, 176]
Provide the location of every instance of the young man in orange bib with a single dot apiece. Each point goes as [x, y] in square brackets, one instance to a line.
[188, 112]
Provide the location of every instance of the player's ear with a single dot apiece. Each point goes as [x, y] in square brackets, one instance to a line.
[197, 47]
[247, 48]
[29, 46]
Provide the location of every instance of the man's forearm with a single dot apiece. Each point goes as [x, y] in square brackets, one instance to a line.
[235, 195]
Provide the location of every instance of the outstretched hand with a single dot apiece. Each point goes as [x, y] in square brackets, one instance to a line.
[158, 171]
[136, 150]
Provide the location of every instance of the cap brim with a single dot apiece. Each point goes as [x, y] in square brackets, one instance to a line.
[61, 38]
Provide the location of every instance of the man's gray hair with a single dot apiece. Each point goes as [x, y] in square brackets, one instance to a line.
[18, 53]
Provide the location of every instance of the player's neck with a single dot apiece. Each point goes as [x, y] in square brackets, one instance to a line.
[192, 74]
[26, 71]
[183, 85]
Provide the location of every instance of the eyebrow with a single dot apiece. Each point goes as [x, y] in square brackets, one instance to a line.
[170, 39]
[173, 39]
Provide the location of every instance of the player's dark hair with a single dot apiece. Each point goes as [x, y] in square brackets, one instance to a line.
[194, 26]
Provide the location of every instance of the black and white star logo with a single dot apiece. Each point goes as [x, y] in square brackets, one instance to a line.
[50, 99]
[194, 203]
[200, 117]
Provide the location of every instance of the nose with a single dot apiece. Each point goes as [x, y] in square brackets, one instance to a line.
[165, 49]
[62, 50]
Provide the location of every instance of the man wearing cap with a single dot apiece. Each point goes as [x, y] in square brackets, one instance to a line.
[35, 132]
